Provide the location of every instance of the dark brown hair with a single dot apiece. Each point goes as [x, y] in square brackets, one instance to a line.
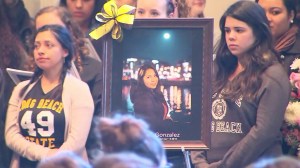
[259, 57]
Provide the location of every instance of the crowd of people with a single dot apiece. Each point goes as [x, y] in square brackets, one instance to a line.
[55, 118]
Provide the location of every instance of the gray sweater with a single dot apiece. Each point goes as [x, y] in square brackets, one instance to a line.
[242, 131]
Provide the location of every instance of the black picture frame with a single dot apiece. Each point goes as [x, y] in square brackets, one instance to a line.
[192, 45]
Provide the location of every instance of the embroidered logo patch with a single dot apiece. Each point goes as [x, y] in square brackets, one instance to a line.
[219, 109]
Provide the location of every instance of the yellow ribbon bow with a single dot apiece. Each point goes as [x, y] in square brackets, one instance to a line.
[112, 16]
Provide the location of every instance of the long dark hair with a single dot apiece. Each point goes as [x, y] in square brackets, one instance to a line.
[140, 85]
[170, 7]
[260, 56]
[63, 36]
[12, 54]
[97, 8]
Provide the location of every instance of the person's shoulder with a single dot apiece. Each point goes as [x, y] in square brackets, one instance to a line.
[73, 82]
[276, 73]
[22, 84]
[87, 60]
[295, 49]
[275, 70]
[139, 94]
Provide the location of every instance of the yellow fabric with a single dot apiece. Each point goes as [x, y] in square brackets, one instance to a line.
[113, 17]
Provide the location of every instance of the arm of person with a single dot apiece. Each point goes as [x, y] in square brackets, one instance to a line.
[82, 108]
[96, 91]
[13, 137]
[272, 104]
[198, 159]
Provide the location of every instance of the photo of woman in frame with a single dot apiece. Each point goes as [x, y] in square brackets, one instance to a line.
[147, 98]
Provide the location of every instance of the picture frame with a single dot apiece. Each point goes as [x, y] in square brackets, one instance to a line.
[181, 50]
[18, 75]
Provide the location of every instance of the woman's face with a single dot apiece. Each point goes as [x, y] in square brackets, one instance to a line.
[150, 79]
[48, 18]
[239, 36]
[278, 16]
[48, 52]
[151, 9]
[196, 7]
[81, 10]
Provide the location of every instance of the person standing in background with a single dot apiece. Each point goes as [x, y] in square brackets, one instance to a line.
[52, 111]
[191, 8]
[285, 31]
[84, 12]
[15, 26]
[252, 88]
[154, 9]
[281, 15]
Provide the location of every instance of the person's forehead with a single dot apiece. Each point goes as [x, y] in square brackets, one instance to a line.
[47, 19]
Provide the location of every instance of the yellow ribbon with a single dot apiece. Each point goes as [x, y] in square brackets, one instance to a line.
[112, 15]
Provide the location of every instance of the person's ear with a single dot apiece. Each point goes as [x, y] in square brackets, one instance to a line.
[66, 53]
[171, 15]
[292, 16]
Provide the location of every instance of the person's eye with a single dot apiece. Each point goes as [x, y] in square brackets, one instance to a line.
[36, 46]
[154, 13]
[275, 12]
[239, 30]
[49, 45]
[227, 30]
[140, 12]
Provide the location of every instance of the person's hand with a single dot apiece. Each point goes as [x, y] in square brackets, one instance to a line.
[10, 2]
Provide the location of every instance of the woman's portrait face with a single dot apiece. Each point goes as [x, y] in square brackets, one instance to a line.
[81, 10]
[151, 9]
[48, 52]
[196, 7]
[150, 79]
[239, 36]
[278, 16]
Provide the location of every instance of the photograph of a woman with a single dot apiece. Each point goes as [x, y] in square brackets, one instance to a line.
[148, 100]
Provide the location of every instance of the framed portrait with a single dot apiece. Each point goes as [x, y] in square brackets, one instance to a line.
[161, 72]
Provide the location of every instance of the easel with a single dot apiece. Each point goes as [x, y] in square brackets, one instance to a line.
[186, 157]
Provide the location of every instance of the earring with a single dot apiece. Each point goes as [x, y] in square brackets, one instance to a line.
[292, 21]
